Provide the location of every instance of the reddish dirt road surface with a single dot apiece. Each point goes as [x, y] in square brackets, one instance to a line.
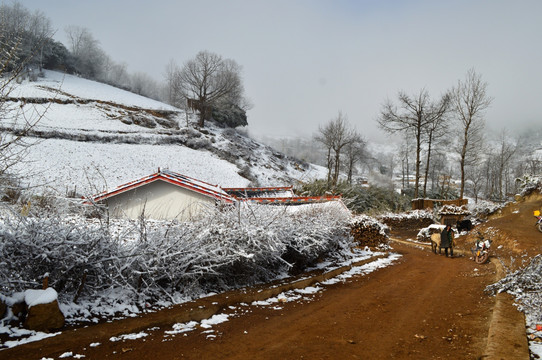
[425, 306]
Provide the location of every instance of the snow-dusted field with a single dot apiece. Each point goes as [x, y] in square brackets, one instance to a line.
[94, 167]
[64, 86]
[92, 146]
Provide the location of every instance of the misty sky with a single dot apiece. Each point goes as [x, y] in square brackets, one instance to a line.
[305, 60]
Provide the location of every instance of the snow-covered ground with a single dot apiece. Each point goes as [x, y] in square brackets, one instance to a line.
[64, 86]
[91, 142]
[95, 167]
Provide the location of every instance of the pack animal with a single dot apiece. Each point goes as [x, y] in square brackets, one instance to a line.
[464, 225]
[435, 242]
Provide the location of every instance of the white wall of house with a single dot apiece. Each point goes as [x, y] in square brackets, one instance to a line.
[159, 200]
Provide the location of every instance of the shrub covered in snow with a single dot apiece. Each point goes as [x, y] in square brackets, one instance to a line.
[529, 184]
[33, 247]
[482, 209]
[164, 260]
[358, 199]
[526, 285]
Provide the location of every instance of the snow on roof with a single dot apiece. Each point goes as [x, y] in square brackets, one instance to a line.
[257, 192]
[171, 177]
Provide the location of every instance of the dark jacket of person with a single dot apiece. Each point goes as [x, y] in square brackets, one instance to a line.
[446, 237]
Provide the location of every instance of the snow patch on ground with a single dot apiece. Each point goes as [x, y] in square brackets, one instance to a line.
[128, 337]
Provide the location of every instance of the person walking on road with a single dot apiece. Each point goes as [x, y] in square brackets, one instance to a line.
[447, 240]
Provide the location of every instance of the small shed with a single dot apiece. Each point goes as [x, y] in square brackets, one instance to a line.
[164, 195]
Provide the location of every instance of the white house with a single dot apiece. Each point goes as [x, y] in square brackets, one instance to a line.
[167, 195]
[164, 195]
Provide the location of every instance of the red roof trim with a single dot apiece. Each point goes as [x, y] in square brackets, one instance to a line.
[297, 199]
[169, 177]
[259, 188]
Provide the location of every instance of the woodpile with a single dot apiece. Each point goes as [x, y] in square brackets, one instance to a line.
[407, 222]
[369, 232]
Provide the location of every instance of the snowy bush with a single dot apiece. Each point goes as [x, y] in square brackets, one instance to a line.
[529, 184]
[33, 247]
[373, 199]
[236, 247]
[482, 209]
[159, 261]
[526, 285]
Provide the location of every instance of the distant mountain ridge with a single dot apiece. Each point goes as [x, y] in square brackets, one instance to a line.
[93, 137]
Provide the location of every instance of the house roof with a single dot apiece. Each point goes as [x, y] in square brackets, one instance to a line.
[171, 177]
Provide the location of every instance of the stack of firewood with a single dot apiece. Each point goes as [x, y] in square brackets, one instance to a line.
[369, 232]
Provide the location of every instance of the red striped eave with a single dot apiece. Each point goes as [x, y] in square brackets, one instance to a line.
[277, 188]
[296, 199]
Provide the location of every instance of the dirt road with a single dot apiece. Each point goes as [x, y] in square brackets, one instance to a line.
[423, 307]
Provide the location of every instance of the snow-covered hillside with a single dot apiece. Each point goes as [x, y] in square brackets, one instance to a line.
[94, 137]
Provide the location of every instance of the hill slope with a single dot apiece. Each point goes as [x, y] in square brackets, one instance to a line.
[93, 137]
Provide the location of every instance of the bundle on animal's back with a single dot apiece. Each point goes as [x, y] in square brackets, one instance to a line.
[368, 231]
[431, 234]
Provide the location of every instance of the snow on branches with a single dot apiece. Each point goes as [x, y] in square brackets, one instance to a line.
[526, 286]
[159, 261]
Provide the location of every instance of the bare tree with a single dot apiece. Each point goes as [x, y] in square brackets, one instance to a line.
[469, 102]
[90, 59]
[15, 125]
[437, 127]
[503, 156]
[210, 80]
[172, 90]
[32, 31]
[354, 152]
[413, 116]
[325, 137]
[343, 135]
[336, 135]
[404, 152]
[475, 177]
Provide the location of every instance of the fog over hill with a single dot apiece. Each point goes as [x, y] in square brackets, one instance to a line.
[93, 137]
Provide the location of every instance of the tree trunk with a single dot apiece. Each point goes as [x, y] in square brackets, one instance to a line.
[329, 166]
[337, 165]
[429, 141]
[418, 162]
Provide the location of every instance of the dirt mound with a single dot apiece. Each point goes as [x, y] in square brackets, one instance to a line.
[515, 239]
